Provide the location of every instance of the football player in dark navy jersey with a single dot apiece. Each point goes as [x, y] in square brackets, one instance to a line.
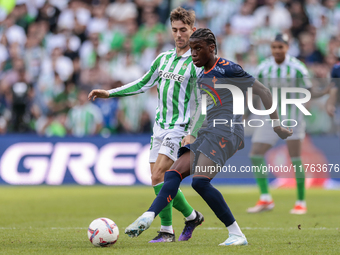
[214, 145]
[224, 72]
[333, 94]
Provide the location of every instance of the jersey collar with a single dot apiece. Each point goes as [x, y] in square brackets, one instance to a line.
[186, 54]
[212, 67]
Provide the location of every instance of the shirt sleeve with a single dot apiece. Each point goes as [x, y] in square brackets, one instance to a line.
[304, 78]
[141, 85]
[241, 78]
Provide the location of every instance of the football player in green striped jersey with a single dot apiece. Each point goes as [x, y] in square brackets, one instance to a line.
[281, 70]
[172, 72]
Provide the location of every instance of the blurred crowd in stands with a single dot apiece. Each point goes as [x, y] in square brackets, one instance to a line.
[53, 52]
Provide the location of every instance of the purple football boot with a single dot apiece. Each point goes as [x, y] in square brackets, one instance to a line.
[190, 226]
[163, 237]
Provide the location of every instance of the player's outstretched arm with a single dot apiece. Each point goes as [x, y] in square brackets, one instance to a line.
[141, 85]
[98, 93]
[266, 98]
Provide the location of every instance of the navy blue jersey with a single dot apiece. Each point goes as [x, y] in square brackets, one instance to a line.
[335, 74]
[221, 107]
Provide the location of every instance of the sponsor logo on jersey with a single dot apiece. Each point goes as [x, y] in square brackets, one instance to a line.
[211, 101]
[171, 76]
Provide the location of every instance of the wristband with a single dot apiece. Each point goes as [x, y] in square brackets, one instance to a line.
[276, 123]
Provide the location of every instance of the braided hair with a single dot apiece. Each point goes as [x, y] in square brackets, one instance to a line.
[206, 35]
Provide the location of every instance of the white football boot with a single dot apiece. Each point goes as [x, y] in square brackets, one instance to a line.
[139, 225]
[235, 240]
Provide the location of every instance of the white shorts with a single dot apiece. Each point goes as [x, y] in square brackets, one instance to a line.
[266, 134]
[165, 141]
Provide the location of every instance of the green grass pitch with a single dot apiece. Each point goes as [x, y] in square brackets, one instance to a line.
[54, 220]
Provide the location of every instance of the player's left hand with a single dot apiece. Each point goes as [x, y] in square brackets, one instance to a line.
[282, 132]
[188, 139]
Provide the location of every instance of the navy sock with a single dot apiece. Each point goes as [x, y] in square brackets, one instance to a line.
[172, 180]
[214, 199]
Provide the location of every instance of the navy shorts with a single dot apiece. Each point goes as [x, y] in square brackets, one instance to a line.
[217, 148]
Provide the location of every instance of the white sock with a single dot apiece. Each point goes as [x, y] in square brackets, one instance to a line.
[301, 203]
[192, 216]
[235, 229]
[149, 214]
[157, 184]
[266, 197]
[167, 229]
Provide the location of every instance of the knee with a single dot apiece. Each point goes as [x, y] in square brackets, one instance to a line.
[169, 176]
[198, 184]
[157, 176]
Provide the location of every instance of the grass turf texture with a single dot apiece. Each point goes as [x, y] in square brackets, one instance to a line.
[54, 220]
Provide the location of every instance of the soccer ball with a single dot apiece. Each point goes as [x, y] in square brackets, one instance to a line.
[103, 232]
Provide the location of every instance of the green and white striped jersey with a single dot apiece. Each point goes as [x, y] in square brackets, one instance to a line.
[291, 73]
[175, 80]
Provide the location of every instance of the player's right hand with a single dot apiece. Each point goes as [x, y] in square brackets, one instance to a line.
[188, 139]
[98, 93]
[282, 132]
